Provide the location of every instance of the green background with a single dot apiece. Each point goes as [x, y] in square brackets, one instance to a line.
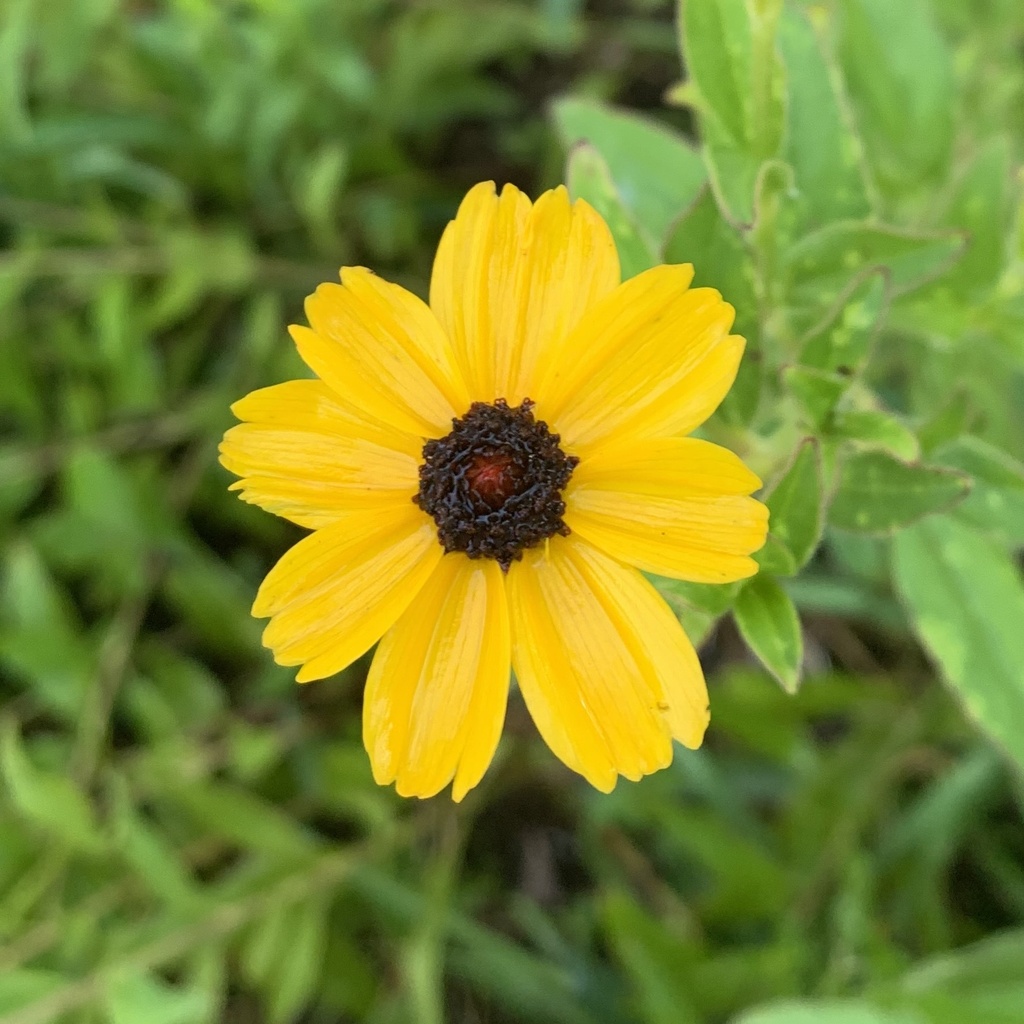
[186, 836]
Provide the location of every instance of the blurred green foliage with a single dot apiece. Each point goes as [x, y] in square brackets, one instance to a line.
[188, 837]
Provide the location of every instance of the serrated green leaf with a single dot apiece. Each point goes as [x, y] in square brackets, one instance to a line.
[589, 178]
[657, 173]
[797, 507]
[768, 622]
[895, 50]
[879, 493]
[739, 92]
[965, 598]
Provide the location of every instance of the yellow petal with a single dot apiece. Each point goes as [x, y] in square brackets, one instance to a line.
[603, 664]
[334, 594]
[511, 280]
[303, 454]
[672, 506]
[654, 357]
[380, 347]
[436, 694]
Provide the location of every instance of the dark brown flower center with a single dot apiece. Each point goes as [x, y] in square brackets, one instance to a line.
[494, 484]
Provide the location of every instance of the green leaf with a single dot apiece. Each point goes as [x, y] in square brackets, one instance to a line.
[297, 969]
[149, 853]
[879, 493]
[980, 982]
[768, 621]
[41, 637]
[872, 428]
[899, 74]
[214, 601]
[949, 421]
[817, 392]
[824, 155]
[965, 598]
[981, 208]
[996, 501]
[720, 258]
[822, 264]
[697, 622]
[737, 85]
[657, 173]
[51, 801]
[589, 178]
[832, 1011]
[842, 343]
[243, 818]
[713, 598]
[650, 956]
[132, 998]
[797, 506]
[22, 987]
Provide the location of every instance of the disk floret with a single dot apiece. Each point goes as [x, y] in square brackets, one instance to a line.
[494, 484]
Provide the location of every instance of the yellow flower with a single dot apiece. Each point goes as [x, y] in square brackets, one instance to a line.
[485, 477]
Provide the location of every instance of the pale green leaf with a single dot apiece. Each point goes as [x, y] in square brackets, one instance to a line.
[768, 622]
[135, 997]
[720, 256]
[879, 493]
[738, 85]
[873, 428]
[816, 391]
[589, 178]
[824, 155]
[833, 1011]
[822, 264]
[843, 341]
[49, 800]
[899, 73]
[965, 598]
[981, 207]
[797, 506]
[657, 173]
[996, 501]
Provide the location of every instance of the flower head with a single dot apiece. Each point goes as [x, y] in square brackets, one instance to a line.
[485, 478]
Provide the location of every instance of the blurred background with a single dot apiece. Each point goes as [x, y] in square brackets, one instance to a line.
[186, 836]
